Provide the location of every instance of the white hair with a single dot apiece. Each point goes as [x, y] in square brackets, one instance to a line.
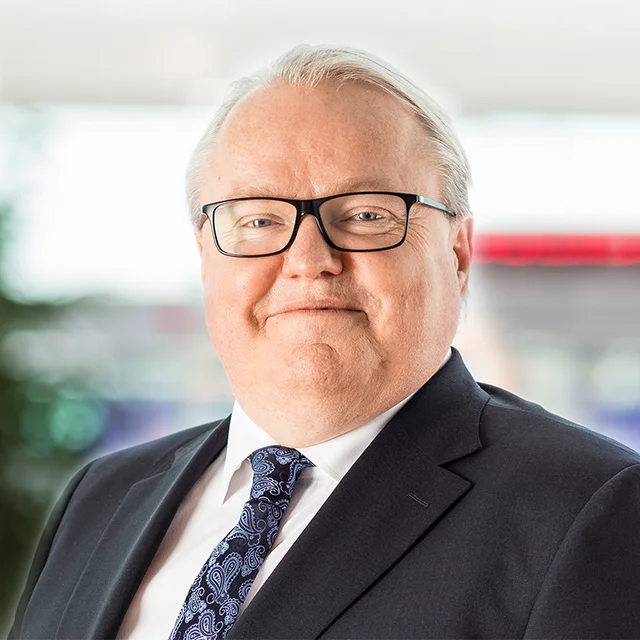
[307, 66]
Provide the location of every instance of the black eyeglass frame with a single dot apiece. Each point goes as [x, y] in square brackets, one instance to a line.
[312, 207]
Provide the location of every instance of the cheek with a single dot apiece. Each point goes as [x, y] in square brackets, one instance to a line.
[232, 289]
[397, 284]
[419, 296]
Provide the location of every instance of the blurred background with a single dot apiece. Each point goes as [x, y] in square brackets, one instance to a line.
[102, 337]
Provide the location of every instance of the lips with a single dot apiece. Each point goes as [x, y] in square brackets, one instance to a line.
[315, 305]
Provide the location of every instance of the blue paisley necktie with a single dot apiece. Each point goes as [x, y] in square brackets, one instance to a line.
[216, 595]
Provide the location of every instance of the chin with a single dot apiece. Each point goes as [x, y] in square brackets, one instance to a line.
[316, 368]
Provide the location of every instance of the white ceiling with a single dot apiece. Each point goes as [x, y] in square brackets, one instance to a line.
[476, 56]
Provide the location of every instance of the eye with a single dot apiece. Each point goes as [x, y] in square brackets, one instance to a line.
[263, 221]
[365, 216]
[260, 222]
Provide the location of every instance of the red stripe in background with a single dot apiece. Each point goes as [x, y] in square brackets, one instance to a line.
[557, 250]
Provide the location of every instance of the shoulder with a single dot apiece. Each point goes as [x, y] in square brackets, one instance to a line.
[566, 500]
[524, 443]
[140, 460]
[99, 487]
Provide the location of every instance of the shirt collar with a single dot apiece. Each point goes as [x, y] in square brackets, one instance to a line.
[333, 457]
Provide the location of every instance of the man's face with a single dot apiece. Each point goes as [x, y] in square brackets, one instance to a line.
[399, 307]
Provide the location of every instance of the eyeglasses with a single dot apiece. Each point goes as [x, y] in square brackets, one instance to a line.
[367, 221]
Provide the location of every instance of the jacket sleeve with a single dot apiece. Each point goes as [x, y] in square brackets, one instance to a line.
[42, 550]
[592, 588]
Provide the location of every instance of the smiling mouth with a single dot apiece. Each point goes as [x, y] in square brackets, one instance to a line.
[320, 307]
[319, 310]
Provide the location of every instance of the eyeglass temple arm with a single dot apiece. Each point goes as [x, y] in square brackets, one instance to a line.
[435, 205]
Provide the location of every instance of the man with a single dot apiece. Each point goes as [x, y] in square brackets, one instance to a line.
[365, 486]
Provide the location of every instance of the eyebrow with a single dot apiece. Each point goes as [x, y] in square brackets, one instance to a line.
[345, 186]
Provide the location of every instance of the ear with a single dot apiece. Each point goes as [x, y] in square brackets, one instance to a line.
[199, 242]
[198, 237]
[462, 247]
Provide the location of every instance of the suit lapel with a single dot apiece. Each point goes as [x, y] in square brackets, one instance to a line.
[132, 537]
[394, 493]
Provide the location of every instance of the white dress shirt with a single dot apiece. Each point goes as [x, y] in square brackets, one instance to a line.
[213, 506]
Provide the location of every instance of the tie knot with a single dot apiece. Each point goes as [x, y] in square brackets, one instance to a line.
[275, 471]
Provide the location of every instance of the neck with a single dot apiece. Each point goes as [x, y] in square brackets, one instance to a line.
[301, 412]
[304, 419]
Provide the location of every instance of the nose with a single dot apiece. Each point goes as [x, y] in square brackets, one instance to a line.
[310, 255]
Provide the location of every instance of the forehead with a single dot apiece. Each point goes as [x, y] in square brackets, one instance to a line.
[309, 142]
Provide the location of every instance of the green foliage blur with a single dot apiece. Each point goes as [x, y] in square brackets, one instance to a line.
[47, 423]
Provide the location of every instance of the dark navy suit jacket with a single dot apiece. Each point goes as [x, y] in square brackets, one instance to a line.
[473, 514]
